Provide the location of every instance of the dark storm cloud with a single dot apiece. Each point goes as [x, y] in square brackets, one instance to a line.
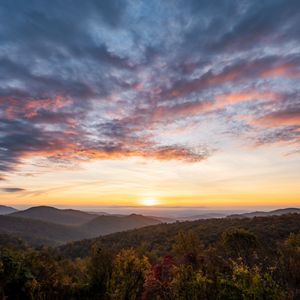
[102, 79]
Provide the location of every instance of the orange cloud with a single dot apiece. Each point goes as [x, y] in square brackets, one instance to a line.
[279, 118]
[233, 98]
[206, 81]
[193, 108]
[244, 71]
[181, 110]
[29, 108]
[286, 70]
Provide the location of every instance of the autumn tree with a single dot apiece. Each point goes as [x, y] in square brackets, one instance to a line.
[159, 282]
[288, 270]
[16, 279]
[129, 273]
[99, 270]
[188, 247]
[191, 285]
[239, 243]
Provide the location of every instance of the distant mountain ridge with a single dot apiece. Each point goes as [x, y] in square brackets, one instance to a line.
[160, 238]
[5, 210]
[111, 224]
[277, 212]
[55, 215]
[44, 225]
[202, 217]
[38, 232]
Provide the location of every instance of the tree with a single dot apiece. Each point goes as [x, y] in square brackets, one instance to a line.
[159, 282]
[16, 280]
[253, 284]
[99, 270]
[128, 275]
[190, 284]
[239, 242]
[188, 247]
[288, 271]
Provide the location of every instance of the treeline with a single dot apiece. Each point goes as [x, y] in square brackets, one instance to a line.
[157, 241]
[235, 264]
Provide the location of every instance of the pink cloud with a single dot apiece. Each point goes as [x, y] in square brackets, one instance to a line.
[279, 118]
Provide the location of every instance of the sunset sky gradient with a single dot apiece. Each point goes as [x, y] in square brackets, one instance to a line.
[116, 102]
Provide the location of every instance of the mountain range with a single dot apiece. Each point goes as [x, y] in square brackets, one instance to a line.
[5, 210]
[159, 239]
[277, 212]
[55, 215]
[43, 225]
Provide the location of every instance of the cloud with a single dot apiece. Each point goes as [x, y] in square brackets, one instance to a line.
[238, 97]
[12, 190]
[287, 117]
[241, 70]
[20, 139]
[102, 79]
[257, 24]
[282, 135]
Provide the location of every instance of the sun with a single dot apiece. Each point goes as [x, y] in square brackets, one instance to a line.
[149, 202]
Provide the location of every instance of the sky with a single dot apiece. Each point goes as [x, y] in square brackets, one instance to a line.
[142, 103]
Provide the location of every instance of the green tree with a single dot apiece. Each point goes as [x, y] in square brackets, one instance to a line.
[128, 275]
[249, 284]
[188, 247]
[99, 270]
[288, 270]
[238, 242]
[189, 284]
[16, 280]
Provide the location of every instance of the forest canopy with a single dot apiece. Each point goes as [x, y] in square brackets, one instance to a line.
[255, 258]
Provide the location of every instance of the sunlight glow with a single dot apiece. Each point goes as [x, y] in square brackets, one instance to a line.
[149, 202]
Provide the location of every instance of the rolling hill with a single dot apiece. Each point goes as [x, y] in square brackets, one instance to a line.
[202, 217]
[277, 212]
[273, 244]
[110, 224]
[5, 210]
[55, 215]
[160, 238]
[38, 232]
[51, 226]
